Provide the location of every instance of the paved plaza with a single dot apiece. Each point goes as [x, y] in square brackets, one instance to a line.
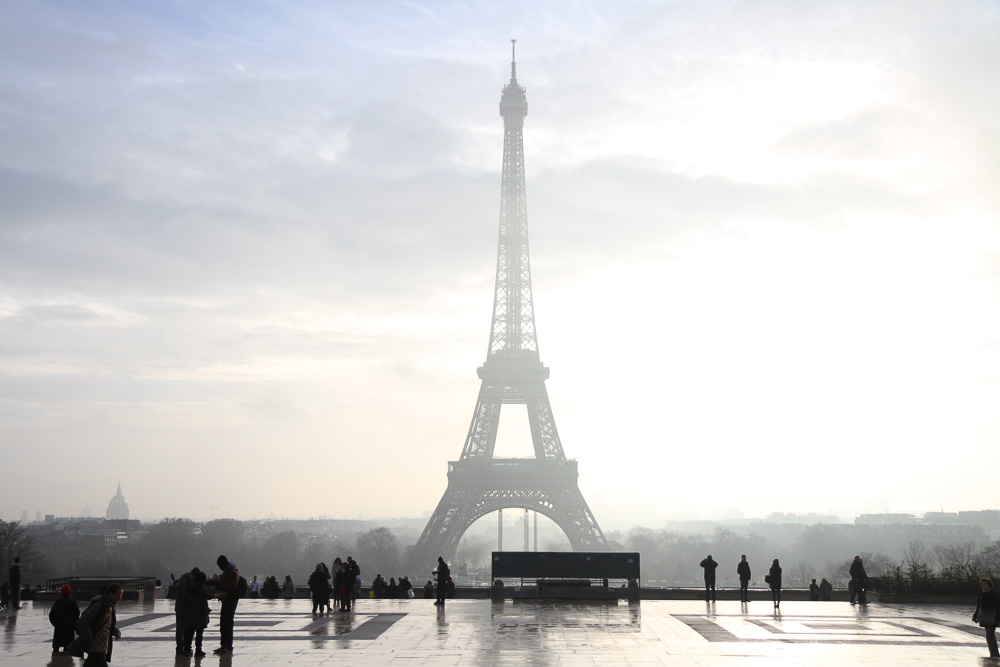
[479, 632]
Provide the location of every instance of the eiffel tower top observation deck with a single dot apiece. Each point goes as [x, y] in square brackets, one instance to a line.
[513, 373]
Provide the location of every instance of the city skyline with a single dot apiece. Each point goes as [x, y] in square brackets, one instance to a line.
[256, 245]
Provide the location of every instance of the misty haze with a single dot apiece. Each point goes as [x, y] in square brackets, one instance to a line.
[253, 298]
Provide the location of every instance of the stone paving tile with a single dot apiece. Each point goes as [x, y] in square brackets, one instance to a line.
[537, 634]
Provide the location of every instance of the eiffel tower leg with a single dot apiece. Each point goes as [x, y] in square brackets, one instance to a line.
[544, 435]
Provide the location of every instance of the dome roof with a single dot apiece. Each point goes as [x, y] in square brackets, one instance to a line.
[117, 508]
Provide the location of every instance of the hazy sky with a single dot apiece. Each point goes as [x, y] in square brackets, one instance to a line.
[247, 251]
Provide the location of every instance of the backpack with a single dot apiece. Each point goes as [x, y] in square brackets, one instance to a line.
[242, 587]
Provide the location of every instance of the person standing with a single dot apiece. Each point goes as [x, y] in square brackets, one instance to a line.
[443, 572]
[774, 580]
[254, 588]
[14, 580]
[355, 579]
[986, 614]
[196, 613]
[859, 579]
[98, 625]
[288, 588]
[743, 570]
[319, 588]
[180, 607]
[229, 583]
[63, 617]
[825, 590]
[709, 566]
[814, 591]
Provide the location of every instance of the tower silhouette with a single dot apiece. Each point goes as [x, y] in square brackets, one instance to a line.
[513, 373]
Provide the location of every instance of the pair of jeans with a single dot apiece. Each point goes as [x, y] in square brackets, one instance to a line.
[744, 594]
[227, 619]
[96, 660]
[991, 640]
[193, 633]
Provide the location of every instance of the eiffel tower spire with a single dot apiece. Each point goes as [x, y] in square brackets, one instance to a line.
[512, 374]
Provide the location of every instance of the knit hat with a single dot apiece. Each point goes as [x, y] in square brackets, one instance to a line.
[65, 590]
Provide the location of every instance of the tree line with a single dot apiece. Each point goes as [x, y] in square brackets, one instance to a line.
[668, 558]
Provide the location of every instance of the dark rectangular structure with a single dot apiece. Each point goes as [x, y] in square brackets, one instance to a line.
[565, 565]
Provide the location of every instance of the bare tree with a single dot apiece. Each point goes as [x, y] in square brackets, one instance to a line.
[15, 541]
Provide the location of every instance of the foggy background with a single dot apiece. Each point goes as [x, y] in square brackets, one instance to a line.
[253, 246]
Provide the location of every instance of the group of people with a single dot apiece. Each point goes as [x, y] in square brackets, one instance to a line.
[344, 584]
[772, 579]
[191, 609]
[91, 633]
[824, 590]
[393, 589]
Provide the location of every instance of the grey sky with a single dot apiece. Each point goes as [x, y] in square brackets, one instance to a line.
[255, 241]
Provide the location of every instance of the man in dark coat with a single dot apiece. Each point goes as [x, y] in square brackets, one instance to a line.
[228, 584]
[15, 584]
[743, 570]
[63, 615]
[443, 572]
[709, 566]
[859, 579]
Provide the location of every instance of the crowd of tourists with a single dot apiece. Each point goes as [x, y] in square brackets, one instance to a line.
[343, 584]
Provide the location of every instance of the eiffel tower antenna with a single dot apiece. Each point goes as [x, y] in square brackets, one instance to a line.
[513, 373]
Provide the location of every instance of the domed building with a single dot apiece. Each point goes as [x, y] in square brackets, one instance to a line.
[117, 508]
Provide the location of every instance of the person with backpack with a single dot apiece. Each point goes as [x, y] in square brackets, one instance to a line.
[63, 617]
[231, 587]
[97, 626]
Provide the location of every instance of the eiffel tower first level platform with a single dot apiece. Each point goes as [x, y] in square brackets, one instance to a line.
[477, 488]
[513, 373]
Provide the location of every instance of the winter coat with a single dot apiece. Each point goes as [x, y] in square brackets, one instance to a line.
[858, 571]
[319, 585]
[987, 600]
[63, 617]
[196, 612]
[775, 574]
[743, 569]
[709, 564]
[96, 625]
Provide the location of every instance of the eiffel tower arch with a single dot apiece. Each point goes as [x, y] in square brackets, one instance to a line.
[479, 483]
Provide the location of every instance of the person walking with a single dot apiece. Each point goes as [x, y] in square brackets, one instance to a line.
[63, 616]
[743, 570]
[986, 614]
[14, 580]
[443, 572]
[709, 566]
[859, 580]
[774, 580]
[228, 586]
[97, 626]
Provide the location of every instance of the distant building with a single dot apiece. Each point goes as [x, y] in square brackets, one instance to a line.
[117, 508]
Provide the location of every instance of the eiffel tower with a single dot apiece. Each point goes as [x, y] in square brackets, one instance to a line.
[513, 374]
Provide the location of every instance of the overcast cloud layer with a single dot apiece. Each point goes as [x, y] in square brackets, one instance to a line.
[254, 245]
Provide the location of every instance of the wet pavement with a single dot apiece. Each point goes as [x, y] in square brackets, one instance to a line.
[478, 632]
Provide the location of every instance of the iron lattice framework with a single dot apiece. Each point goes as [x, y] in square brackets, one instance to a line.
[513, 373]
